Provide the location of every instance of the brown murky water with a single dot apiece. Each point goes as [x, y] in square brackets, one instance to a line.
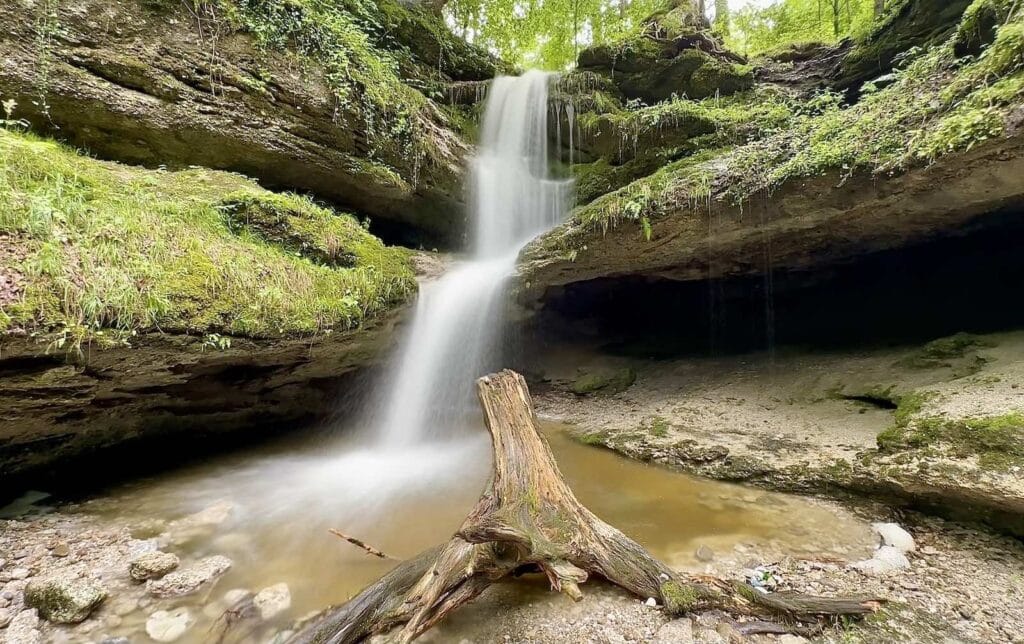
[284, 499]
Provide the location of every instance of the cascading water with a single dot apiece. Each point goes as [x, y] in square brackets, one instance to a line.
[455, 331]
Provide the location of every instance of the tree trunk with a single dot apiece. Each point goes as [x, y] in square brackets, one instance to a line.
[722, 16]
[528, 520]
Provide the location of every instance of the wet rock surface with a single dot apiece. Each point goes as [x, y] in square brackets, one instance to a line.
[799, 422]
[78, 409]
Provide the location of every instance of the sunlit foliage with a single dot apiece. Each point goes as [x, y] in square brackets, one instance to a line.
[754, 29]
[546, 34]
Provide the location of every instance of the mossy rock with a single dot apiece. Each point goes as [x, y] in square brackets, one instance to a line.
[913, 23]
[652, 74]
[997, 441]
[612, 382]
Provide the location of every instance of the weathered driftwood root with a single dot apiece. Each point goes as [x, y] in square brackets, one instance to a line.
[529, 520]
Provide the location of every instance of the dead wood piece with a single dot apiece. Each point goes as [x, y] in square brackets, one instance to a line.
[360, 543]
[529, 518]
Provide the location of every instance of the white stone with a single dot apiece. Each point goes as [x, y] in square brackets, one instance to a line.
[893, 535]
[652, 602]
[168, 625]
[273, 600]
[887, 559]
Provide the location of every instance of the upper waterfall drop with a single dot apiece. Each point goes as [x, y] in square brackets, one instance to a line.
[455, 332]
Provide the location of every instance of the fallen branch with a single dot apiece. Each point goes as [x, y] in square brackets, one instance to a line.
[362, 544]
[528, 520]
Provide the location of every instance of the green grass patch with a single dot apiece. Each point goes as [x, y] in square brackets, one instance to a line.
[113, 247]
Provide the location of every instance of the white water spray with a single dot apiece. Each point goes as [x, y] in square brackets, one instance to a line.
[458, 319]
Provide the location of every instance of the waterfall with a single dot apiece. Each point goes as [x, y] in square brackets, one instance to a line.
[458, 319]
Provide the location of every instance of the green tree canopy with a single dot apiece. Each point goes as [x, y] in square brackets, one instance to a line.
[545, 34]
[548, 34]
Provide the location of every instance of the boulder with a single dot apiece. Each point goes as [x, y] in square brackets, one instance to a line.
[152, 565]
[62, 599]
[189, 580]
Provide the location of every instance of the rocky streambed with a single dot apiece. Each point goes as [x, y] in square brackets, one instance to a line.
[168, 560]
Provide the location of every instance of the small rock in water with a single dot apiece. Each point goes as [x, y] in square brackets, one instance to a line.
[188, 580]
[790, 638]
[236, 595]
[893, 535]
[152, 565]
[199, 524]
[705, 553]
[5, 617]
[168, 625]
[63, 600]
[20, 573]
[272, 601]
[24, 629]
[116, 640]
[652, 602]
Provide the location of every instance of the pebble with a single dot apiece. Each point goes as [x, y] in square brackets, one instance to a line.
[61, 550]
[168, 625]
[20, 573]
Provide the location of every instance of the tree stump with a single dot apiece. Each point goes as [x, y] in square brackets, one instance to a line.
[528, 520]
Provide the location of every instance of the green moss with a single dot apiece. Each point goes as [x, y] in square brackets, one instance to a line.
[599, 438]
[945, 351]
[997, 441]
[979, 24]
[659, 427]
[116, 248]
[610, 382]
[679, 598]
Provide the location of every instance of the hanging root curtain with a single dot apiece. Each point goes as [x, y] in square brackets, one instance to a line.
[529, 520]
